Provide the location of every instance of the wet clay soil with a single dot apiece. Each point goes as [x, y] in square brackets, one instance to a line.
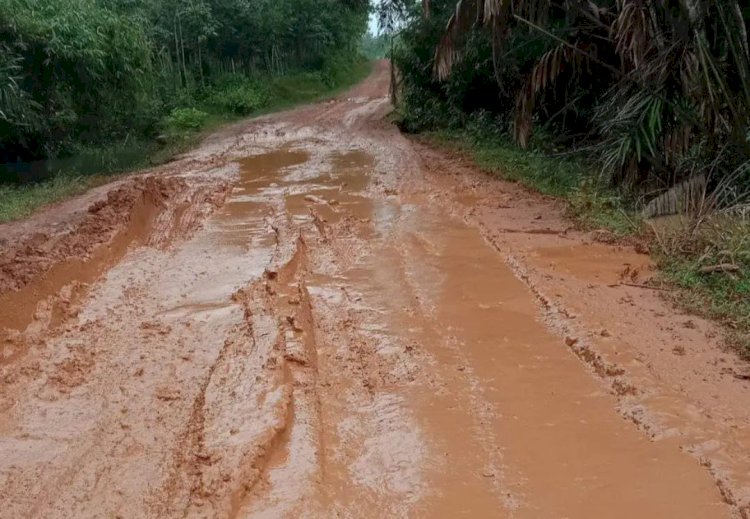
[323, 319]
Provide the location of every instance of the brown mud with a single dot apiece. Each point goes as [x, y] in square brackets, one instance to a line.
[312, 316]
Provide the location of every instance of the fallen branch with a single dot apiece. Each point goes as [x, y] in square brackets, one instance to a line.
[637, 285]
[533, 231]
[722, 267]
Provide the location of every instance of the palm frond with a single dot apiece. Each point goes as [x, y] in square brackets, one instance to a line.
[630, 32]
[460, 23]
[550, 66]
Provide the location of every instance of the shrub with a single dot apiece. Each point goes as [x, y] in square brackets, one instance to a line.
[239, 96]
[186, 119]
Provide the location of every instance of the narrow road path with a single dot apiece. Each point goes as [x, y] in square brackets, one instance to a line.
[312, 316]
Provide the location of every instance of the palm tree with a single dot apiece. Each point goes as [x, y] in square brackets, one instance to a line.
[676, 76]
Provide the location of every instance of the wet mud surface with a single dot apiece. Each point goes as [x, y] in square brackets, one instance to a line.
[313, 316]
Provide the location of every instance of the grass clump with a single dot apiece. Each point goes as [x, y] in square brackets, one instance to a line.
[239, 95]
[185, 119]
[542, 173]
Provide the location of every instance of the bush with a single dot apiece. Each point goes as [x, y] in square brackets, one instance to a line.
[239, 96]
[186, 119]
[69, 70]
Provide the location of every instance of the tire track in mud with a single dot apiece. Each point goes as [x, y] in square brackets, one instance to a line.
[221, 456]
[295, 464]
[245, 411]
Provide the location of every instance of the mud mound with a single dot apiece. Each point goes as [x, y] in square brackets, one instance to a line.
[39, 265]
[129, 207]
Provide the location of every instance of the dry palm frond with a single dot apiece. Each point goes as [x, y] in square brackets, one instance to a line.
[688, 197]
[554, 62]
[690, 75]
[676, 143]
[460, 23]
[494, 8]
[495, 14]
[631, 32]
[730, 191]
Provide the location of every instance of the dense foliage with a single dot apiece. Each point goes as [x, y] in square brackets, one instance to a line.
[657, 93]
[82, 72]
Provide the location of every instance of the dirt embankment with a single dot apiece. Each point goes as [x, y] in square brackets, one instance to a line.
[312, 316]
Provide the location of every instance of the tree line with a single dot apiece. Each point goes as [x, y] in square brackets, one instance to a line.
[92, 71]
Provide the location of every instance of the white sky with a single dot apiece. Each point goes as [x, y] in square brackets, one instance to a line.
[373, 24]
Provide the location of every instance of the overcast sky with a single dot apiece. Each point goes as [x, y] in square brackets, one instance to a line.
[373, 25]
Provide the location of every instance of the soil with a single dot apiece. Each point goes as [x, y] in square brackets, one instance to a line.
[312, 315]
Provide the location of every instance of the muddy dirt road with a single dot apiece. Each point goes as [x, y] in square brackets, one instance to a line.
[313, 316]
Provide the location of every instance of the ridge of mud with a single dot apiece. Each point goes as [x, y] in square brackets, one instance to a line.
[224, 451]
[150, 211]
[224, 457]
[129, 204]
[292, 308]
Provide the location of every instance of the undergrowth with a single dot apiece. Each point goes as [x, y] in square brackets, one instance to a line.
[719, 243]
[722, 297]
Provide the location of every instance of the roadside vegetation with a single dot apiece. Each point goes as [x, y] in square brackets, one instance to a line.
[94, 87]
[637, 113]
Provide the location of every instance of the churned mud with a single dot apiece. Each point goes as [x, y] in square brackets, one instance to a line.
[313, 316]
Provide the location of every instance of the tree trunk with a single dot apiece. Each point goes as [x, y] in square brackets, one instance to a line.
[177, 50]
[182, 51]
[394, 97]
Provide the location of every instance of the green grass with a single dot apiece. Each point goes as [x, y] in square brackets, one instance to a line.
[20, 202]
[285, 92]
[719, 296]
